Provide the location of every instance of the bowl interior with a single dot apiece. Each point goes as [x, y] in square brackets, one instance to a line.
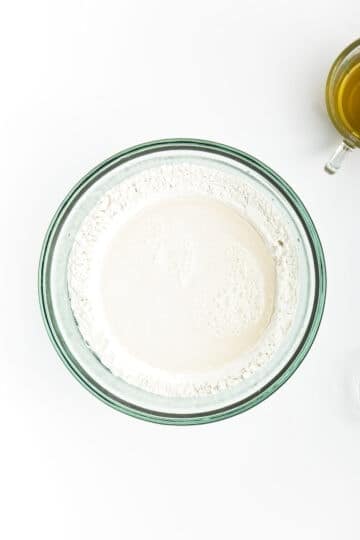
[84, 363]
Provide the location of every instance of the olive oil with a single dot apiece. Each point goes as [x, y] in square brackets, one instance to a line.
[343, 103]
[347, 101]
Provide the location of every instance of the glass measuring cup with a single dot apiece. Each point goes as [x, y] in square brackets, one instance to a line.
[343, 102]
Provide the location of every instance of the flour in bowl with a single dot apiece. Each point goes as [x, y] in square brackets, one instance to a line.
[183, 279]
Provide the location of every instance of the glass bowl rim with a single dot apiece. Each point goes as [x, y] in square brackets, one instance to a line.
[319, 271]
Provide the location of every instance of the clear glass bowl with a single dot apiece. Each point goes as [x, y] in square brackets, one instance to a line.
[87, 368]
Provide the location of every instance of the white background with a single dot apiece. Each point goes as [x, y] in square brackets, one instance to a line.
[81, 81]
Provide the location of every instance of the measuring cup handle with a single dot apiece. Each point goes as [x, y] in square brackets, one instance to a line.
[336, 160]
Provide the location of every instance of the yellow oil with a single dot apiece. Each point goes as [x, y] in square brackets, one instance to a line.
[347, 101]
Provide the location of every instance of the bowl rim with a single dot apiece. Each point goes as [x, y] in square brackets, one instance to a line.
[319, 289]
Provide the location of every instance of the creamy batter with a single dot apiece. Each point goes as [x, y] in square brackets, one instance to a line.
[187, 284]
[182, 279]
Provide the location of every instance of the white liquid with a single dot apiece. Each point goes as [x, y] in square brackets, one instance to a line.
[183, 279]
[186, 285]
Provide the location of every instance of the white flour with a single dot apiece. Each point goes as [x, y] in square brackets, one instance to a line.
[183, 280]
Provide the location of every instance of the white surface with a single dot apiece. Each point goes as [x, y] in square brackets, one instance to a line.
[80, 81]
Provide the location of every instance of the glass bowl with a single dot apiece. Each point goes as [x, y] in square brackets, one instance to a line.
[82, 362]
